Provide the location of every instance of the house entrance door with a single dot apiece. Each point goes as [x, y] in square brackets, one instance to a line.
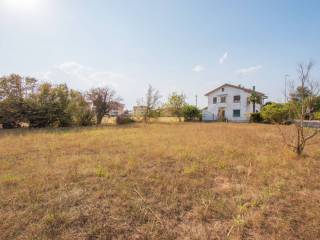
[222, 114]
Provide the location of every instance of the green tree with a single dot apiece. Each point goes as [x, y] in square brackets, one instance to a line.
[191, 113]
[14, 90]
[79, 109]
[275, 113]
[175, 104]
[48, 107]
[254, 98]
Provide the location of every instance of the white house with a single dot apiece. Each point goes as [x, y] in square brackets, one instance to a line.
[231, 102]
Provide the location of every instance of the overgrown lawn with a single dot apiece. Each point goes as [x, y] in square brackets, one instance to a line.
[157, 181]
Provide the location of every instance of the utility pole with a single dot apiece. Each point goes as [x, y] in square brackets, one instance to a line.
[285, 87]
[196, 100]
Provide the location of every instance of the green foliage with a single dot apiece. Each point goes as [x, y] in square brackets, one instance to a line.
[276, 112]
[23, 101]
[191, 169]
[79, 110]
[14, 89]
[101, 172]
[254, 98]
[175, 104]
[317, 115]
[11, 113]
[256, 117]
[317, 104]
[49, 107]
[191, 113]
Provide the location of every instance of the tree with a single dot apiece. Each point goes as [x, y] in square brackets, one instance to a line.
[176, 102]
[48, 106]
[275, 113]
[79, 109]
[296, 95]
[254, 98]
[14, 90]
[191, 113]
[102, 100]
[150, 103]
[317, 104]
[300, 107]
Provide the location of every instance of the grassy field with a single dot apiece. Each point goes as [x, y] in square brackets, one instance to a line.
[157, 181]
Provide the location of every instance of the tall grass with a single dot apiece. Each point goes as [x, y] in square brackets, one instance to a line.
[157, 181]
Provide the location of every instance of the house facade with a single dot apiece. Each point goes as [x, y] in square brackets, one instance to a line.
[116, 109]
[231, 102]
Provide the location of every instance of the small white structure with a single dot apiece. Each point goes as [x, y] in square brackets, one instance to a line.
[231, 102]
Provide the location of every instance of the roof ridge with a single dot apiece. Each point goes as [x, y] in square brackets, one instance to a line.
[234, 86]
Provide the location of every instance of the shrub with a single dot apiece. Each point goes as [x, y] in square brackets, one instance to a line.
[317, 115]
[191, 113]
[275, 112]
[256, 117]
[124, 119]
[80, 110]
[84, 118]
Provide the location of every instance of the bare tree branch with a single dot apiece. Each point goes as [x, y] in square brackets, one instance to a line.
[302, 100]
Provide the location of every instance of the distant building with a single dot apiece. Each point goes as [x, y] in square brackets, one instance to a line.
[231, 102]
[139, 111]
[116, 109]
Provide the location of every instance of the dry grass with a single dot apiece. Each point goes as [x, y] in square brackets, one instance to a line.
[160, 181]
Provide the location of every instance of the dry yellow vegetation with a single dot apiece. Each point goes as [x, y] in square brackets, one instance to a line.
[157, 181]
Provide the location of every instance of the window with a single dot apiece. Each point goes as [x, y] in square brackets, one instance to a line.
[236, 113]
[214, 100]
[222, 89]
[236, 98]
[222, 99]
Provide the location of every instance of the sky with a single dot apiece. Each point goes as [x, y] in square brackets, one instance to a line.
[187, 46]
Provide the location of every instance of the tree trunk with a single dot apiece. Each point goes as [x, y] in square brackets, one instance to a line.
[99, 119]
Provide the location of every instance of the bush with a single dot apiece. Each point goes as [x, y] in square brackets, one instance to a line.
[317, 115]
[85, 118]
[256, 117]
[275, 112]
[191, 113]
[124, 119]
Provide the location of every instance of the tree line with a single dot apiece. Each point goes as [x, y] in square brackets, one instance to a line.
[23, 100]
[175, 106]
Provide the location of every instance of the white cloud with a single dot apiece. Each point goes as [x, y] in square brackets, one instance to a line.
[81, 77]
[223, 58]
[249, 70]
[198, 68]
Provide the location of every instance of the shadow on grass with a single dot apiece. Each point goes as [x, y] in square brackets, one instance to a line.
[61, 130]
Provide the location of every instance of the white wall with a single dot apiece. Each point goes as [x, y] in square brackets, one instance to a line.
[229, 92]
